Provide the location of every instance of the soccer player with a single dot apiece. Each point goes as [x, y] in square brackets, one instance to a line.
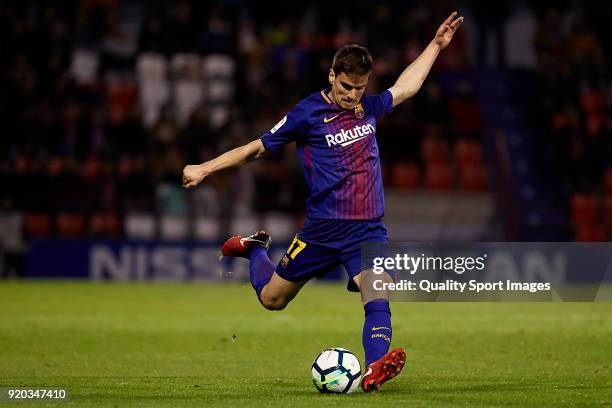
[335, 133]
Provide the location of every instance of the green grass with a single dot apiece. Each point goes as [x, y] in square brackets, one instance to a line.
[172, 345]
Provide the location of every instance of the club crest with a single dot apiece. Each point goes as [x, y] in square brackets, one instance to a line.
[359, 113]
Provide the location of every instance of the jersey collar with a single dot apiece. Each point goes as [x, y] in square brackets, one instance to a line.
[325, 97]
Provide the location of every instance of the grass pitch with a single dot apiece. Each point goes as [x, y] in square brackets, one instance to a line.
[185, 345]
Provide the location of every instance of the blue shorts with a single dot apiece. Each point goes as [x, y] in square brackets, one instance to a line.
[323, 245]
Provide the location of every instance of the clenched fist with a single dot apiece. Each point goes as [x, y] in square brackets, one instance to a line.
[193, 175]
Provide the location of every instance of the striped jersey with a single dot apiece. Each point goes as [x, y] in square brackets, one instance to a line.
[338, 153]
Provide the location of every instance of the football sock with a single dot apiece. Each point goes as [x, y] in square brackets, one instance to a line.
[261, 268]
[376, 330]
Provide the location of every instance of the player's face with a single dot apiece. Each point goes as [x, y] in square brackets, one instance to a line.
[347, 89]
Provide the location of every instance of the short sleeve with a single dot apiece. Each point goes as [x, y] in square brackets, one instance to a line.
[379, 104]
[287, 130]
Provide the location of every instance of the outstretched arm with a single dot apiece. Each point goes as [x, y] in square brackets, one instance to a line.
[410, 81]
[194, 174]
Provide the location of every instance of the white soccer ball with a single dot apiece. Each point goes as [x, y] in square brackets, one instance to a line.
[336, 370]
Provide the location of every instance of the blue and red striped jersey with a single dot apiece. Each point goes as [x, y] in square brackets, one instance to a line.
[338, 152]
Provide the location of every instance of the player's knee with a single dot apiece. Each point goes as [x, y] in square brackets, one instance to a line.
[273, 302]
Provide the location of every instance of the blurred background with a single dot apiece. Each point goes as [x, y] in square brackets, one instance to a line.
[103, 102]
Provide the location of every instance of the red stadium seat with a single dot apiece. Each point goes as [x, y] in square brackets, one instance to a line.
[559, 121]
[467, 151]
[608, 210]
[434, 150]
[70, 225]
[406, 176]
[607, 182]
[585, 209]
[594, 121]
[105, 224]
[592, 101]
[439, 177]
[121, 99]
[125, 167]
[56, 166]
[37, 225]
[590, 233]
[473, 177]
[91, 169]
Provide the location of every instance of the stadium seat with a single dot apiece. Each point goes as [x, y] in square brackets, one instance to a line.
[188, 94]
[173, 228]
[559, 121]
[171, 199]
[154, 95]
[219, 115]
[219, 91]
[124, 167]
[105, 224]
[154, 90]
[590, 233]
[151, 67]
[280, 226]
[70, 225]
[37, 225]
[121, 96]
[84, 66]
[608, 210]
[584, 209]
[439, 177]
[592, 101]
[11, 225]
[204, 201]
[207, 229]
[472, 177]
[186, 66]
[218, 71]
[218, 66]
[244, 225]
[594, 121]
[139, 226]
[607, 182]
[91, 169]
[56, 166]
[467, 151]
[406, 176]
[434, 150]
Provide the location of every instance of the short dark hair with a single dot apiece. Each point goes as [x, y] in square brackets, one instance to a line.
[353, 60]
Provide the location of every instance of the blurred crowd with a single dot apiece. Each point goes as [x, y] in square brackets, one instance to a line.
[575, 111]
[103, 102]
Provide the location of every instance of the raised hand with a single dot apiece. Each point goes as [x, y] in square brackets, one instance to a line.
[193, 175]
[447, 29]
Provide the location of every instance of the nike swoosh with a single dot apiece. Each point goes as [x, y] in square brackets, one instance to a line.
[368, 372]
[327, 120]
[380, 328]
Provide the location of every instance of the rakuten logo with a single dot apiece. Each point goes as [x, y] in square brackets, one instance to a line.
[347, 137]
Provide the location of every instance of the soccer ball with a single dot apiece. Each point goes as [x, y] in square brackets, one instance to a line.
[336, 370]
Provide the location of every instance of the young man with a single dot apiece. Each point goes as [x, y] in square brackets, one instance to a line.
[335, 135]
